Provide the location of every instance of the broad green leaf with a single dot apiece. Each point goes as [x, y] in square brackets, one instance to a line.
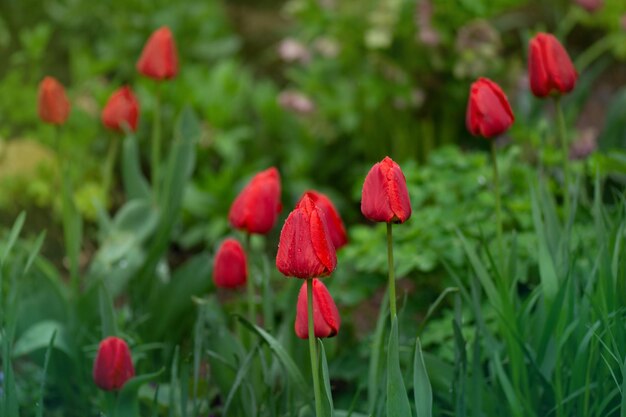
[397, 398]
[376, 357]
[327, 395]
[127, 404]
[422, 389]
[282, 355]
[107, 311]
[135, 184]
[481, 273]
[38, 337]
[547, 269]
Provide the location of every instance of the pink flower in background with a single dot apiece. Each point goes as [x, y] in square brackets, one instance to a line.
[296, 101]
[291, 50]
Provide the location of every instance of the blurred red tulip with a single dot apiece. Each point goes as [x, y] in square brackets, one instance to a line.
[53, 105]
[590, 5]
[385, 197]
[305, 249]
[488, 111]
[256, 208]
[326, 320]
[122, 109]
[230, 268]
[550, 68]
[159, 59]
[113, 365]
[333, 220]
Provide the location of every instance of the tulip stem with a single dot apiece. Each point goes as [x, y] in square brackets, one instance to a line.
[313, 349]
[496, 191]
[565, 156]
[110, 165]
[392, 277]
[156, 142]
[250, 283]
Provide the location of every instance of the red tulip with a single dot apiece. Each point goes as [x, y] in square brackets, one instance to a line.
[549, 67]
[590, 5]
[122, 109]
[113, 365]
[305, 249]
[256, 208]
[385, 197]
[159, 59]
[53, 105]
[230, 269]
[333, 220]
[326, 319]
[488, 111]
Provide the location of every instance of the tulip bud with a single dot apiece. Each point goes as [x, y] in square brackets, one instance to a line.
[159, 59]
[53, 105]
[488, 111]
[385, 197]
[113, 365]
[122, 109]
[550, 68]
[326, 319]
[229, 266]
[305, 249]
[334, 223]
[256, 208]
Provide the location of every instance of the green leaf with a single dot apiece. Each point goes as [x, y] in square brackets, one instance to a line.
[42, 387]
[547, 270]
[35, 251]
[481, 273]
[107, 311]
[623, 408]
[282, 355]
[397, 398]
[15, 232]
[135, 184]
[72, 226]
[376, 357]
[38, 337]
[244, 368]
[422, 389]
[127, 404]
[327, 395]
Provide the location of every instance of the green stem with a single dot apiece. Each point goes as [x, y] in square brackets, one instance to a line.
[156, 142]
[313, 349]
[392, 278]
[250, 284]
[496, 190]
[565, 156]
[110, 165]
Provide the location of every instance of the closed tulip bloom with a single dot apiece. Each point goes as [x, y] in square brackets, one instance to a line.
[122, 109]
[489, 113]
[53, 105]
[159, 59]
[333, 220]
[326, 321]
[113, 365]
[230, 269]
[385, 197]
[305, 249]
[256, 208]
[550, 68]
